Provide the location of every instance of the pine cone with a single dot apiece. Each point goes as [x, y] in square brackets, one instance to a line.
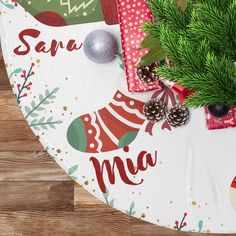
[178, 116]
[154, 110]
[147, 74]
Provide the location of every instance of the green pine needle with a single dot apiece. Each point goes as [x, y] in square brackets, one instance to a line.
[199, 39]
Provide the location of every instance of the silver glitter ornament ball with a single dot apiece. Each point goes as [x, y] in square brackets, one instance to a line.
[100, 46]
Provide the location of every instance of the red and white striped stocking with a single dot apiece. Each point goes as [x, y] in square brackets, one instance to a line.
[109, 128]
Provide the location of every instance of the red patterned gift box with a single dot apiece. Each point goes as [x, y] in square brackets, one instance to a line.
[227, 121]
[132, 14]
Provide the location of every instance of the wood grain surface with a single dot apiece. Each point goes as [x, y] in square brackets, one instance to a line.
[38, 198]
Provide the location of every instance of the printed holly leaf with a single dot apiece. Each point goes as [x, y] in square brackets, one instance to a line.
[52, 126]
[72, 170]
[33, 104]
[45, 102]
[52, 97]
[8, 5]
[132, 213]
[106, 194]
[34, 121]
[112, 203]
[42, 120]
[27, 109]
[41, 97]
[44, 127]
[49, 119]
[156, 53]
[55, 90]
[47, 92]
[34, 114]
[132, 205]
[39, 109]
[200, 225]
[17, 71]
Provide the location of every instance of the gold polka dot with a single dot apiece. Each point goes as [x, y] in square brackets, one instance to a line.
[194, 203]
[86, 182]
[58, 150]
[143, 215]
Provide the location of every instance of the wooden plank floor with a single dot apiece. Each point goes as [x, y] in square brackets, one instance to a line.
[38, 198]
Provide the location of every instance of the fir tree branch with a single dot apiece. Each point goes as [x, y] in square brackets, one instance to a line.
[199, 38]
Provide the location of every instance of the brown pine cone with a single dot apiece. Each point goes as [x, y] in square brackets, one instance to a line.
[178, 116]
[154, 110]
[147, 74]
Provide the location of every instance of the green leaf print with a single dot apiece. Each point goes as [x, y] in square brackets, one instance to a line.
[131, 212]
[200, 226]
[72, 170]
[33, 112]
[43, 100]
[127, 139]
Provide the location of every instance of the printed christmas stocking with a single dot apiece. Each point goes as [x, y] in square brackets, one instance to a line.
[109, 128]
[115, 125]
[69, 12]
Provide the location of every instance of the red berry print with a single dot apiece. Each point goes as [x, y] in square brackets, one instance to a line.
[182, 224]
[25, 85]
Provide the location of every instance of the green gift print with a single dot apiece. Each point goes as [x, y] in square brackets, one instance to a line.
[70, 12]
